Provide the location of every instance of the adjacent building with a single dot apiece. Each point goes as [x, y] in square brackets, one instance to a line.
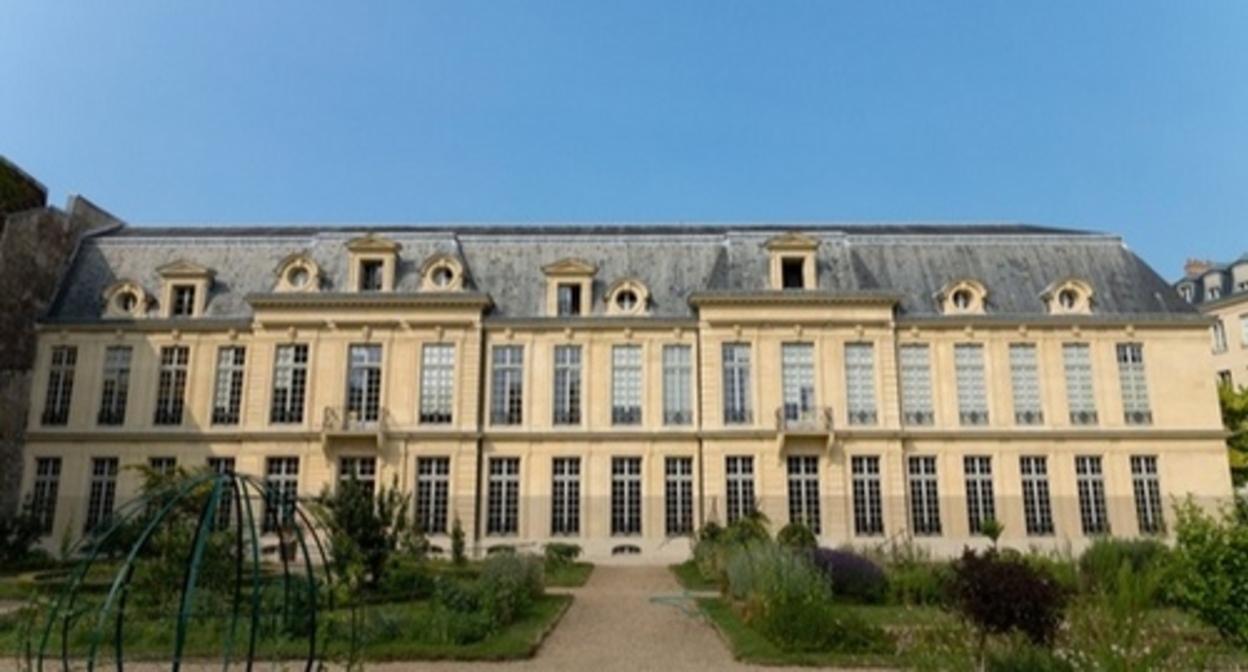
[1221, 292]
[618, 386]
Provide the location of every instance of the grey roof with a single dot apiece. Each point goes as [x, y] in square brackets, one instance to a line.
[1016, 263]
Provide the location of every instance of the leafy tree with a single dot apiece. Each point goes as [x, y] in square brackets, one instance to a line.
[1234, 404]
[366, 529]
[1000, 593]
[1211, 577]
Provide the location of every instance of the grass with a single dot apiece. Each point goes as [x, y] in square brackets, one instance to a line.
[690, 577]
[749, 646]
[571, 575]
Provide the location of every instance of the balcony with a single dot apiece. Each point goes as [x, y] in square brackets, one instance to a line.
[340, 424]
[804, 420]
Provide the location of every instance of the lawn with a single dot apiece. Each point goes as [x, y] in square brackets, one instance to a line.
[690, 577]
[572, 575]
[749, 646]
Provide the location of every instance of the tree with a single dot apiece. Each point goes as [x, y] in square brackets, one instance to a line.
[1234, 404]
[366, 529]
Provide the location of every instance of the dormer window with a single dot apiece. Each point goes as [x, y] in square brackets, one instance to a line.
[568, 296]
[298, 273]
[792, 261]
[442, 277]
[373, 263]
[125, 299]
[371, 275]
[1215, 293]
[1186, 292]
[793, 273]
[626, 301]
[568, 287]
[442, 273]
[627, 297]
[963, 297]
[183, 304]
[1068, 297]
[185, 292]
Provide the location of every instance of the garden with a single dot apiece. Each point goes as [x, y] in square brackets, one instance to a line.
[1122, 604]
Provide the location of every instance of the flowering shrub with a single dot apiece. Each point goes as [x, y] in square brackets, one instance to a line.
[851, 576]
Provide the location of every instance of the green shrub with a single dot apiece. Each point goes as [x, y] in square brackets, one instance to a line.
[1002, 594]
[747, 528]
[797, 537]
[560, 554]
[457, 543]
[1099, 564]
[406, 580]
[1211, 569]
[918, 583]
[509, 585]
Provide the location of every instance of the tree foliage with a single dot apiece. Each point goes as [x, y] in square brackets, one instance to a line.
[366, 529]
[1211, 555]
[1000, 593]
[1234, 403]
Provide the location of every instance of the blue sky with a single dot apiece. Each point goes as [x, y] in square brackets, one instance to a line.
[1130, 117]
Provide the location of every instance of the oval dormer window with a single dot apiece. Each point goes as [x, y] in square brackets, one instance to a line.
[298, 277]
[626, 300]
[126, 301]
[1067, 299]
[443, 277]
[962, 299]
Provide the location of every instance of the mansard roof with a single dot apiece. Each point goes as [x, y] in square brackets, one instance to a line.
[1016, 263]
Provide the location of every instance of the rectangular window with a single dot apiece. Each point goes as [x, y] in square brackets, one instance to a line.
[225, 507]
[804, 492]
[924, 495]
[44, 493]
[363, 470]
[1091, 483]
[162, 466]
[968, 365]
[625, 496]
[433, 494]
[281, 492]
[1135, 407]
[503, 497]
[1224, 377]
[677, 385]
[227, 398]
[103, 493]
[1219, 336]
[437, 384]
[740, 485]
[916, 385]
[116, 385]
[171, 385]
[1037, 509]
[290, 383]
[1077, 359]
[626, 385]
[1147, 488]
[507, 396]
[1243, 330]
[797, 378]
[60, 385]
[370, 275]
[868, 503]
[860, 383]
[567, 385]
[738, 408]
[678, 495]
[565, 505]
[793, 272]
[183, 301]
[363, 384]
[568, 298]
[980, 503]
[1025, 384]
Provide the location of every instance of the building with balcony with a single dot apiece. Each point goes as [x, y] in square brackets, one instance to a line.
[1220, 291]
[618, 386]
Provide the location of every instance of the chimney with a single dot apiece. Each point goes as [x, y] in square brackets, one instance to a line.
[1195, 267]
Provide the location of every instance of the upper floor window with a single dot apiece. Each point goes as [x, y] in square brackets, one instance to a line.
[290, 383]
[569, 286]
[797, 379]
[60, 385]
[437, 383]
[507, 385]
[1080, 396]
[371, 275]
[227, 398]
[1185, 291]
[1219, 336]
[171, 385]
[792, 273]
[677, 385]
[364, 383]
[626, 385]
[185, 288]
[373, 260]
[1224, 377]
[968, 363]
[860, 383]
[1025, 384]
[569, 298]
[737, 404]
[1214, 293]
[793, 261]
[916, 384]
[1135, 407]
[116, 385]
[567, 392]
[183, 301]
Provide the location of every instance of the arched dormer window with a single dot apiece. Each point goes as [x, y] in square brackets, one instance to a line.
[627, 297]
[963, 297]
[298, 273]
[441, 273]
[1068, 297]
[125, 299]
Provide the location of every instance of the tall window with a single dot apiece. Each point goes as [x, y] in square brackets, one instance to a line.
[60, 385]
[116, 385]
[1091, 484]
[868, 503]
[738, 410]
[1079, 395]
[924, 495]
[171, 385]
[437, 383]
[980, 504]
[1037, 509]
[364, 383]
[225, 506]
[1219, 336]
[503, 497]
[568, 298]
[567, 385]
[565, 505]
[916, 385]
[507, 397]
[625, 495]
[103, 492]
[797, 376]
[678, 495]
[968, 365]
[860, 383]
[183, 301]
[290, 383]
[433, 493]
[281, 482]
[804, 491]
[227, 398]
[740, 484]
[43, 495]
[362, 470]
[1147, 488]
[1135, 407]
[677, 385]
[162, 466]
[1243, 330]
[1025, 384]
[626, 385]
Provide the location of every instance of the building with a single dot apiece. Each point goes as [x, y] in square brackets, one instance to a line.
[1221, 292]
[617, 386]
[36, 242]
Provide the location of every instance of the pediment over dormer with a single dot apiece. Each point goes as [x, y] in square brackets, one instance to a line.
[570, 266]
[792, 241]
[373, 244]
[184, 269]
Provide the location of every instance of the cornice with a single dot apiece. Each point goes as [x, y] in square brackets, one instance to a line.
[1050, 321]
[367, 300]
[792, 297]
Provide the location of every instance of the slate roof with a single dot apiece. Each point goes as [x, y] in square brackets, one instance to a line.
[1016, 263]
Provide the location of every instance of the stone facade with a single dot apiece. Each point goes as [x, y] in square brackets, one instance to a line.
[1221, 292]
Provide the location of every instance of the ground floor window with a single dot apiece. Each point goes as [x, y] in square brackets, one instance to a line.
[924, 495]
[433, 485]
[804, 491]
[362, 469]
[225, 505]
[565, 507]
[1037, 509]
[103, 494]
[503, 497]
[281, 477]
[678, 495]
[868, 504]
[625, 495]
[980, 503]
[1147, 487]
[1093, 515]
[46, 487]
[740, 486]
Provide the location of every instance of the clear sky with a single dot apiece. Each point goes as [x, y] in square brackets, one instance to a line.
[1130, 117]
